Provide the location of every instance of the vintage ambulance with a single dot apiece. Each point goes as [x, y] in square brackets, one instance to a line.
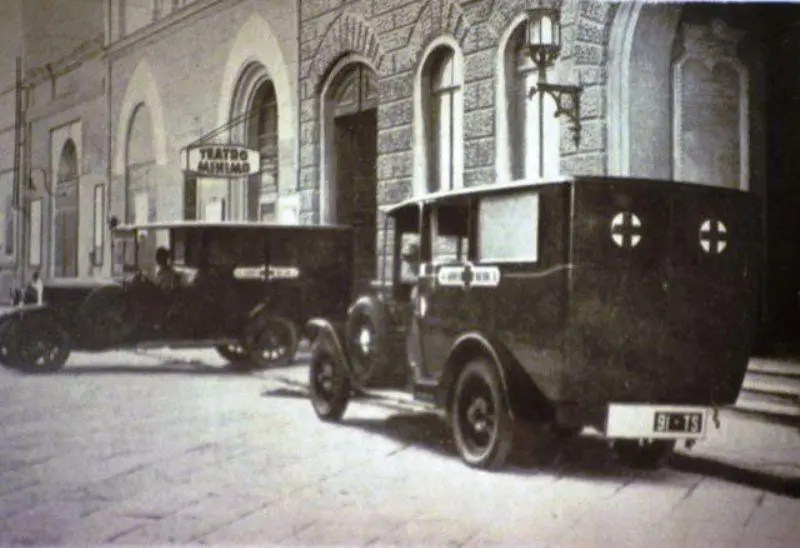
[625, 305]
[243, 288]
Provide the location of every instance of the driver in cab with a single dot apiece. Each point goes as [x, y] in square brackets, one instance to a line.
[166, 276]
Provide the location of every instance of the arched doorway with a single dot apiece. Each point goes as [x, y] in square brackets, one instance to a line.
[65, 244]
[141, 196]
[351, 121]
[140, 199]
[262, 135]
[705, 93]
[253, 123]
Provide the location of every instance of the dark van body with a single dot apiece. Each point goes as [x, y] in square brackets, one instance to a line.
[244, 288]
[627, 305]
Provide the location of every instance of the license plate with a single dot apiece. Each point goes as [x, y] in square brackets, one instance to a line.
[684, 423]
[657, 421]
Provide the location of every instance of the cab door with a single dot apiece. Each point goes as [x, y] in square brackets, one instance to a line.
[442, 307]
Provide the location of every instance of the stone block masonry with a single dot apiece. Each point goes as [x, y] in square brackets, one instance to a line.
[393, 37]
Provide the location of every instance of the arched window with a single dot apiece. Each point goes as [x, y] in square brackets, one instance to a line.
[65, 243]
[527, 159]
[140, 192]
[443, 105]
[263, 136]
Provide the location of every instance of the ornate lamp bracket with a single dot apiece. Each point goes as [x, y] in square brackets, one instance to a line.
[568, 103]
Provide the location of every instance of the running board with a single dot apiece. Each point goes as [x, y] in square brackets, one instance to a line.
[184, 343]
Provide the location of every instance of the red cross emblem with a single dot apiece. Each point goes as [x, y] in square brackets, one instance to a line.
[626, 229]
[713, 236]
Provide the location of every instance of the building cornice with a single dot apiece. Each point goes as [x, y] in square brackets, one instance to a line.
[90, 49]
[170, 23]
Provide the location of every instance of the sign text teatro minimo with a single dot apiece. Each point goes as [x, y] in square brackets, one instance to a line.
[221, 160]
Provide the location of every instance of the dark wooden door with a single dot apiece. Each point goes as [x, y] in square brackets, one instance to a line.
[355, 141]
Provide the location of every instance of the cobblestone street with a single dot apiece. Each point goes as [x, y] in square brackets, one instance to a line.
[143, 448]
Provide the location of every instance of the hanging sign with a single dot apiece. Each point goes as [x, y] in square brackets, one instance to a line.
[222, 160]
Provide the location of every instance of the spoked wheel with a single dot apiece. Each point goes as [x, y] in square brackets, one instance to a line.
[644, 454]
[482, 426]
[43, 349]
[328, 384]
[272, 343]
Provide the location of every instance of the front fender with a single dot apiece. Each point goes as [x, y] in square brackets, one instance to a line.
[321, 331]
[24, 321]
[28, 311]
[523, 399]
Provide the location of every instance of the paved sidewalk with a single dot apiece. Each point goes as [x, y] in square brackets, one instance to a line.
[749, 445]
[748, 448]
[149, 448]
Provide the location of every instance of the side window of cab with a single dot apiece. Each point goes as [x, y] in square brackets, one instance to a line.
[450, 233]
[404, 262]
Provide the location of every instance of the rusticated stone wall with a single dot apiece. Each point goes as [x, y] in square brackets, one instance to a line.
[391, 35]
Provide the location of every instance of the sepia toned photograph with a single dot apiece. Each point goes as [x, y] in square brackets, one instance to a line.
[400, 273]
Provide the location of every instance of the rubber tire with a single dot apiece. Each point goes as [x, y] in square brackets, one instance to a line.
[648, 456]
[256, 330]
[6, 330]
[55, 332]
[501, 441]
[329, 405]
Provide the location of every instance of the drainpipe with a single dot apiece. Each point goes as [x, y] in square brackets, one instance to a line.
[298, 123]
[17, 199]
[107, 253]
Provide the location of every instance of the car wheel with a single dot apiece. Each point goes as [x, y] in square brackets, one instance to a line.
[272, 343]
[6, 330]
[42, 347]
[329, 385]
[644, 454]
[483, 429]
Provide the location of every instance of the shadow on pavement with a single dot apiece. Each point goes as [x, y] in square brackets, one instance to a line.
[286, 392]
[582, 457]
[425, 431]
[757, 479]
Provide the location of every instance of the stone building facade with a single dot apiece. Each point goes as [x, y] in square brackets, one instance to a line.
[206, 71]
[400, 48]
[10, 17]
[355, 104]
[670, 91]
[59, 143]
[108, 110]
